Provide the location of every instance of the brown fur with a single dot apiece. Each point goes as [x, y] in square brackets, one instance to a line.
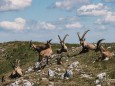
[46, 53]
[17, 71]
[88, 46]
[40, 49]
[106, 53]
[63, 45]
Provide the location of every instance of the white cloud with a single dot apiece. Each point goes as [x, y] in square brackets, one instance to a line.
[18, 24]
[8, 5]
[94, 10]
[73, 25]
[109, 0]
[108, 18]
[68, 4]
[45, 25]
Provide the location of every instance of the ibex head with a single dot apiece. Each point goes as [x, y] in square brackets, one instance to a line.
[62, 42]
[48, 44]
[82, 39]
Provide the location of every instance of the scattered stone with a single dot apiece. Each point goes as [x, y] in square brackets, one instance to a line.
[26, 83]
[97, 81]
[30, 69]
[16, 83]
[74, 64]
[68, 74]
[101, 76]
[51, 73]
[37, 64]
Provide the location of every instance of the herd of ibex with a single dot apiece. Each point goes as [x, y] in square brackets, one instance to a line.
[45, 51]
[98, 47]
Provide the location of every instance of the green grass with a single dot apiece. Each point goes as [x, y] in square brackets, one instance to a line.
[20, 50]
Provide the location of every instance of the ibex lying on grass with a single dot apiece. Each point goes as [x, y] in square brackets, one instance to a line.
[88, 46]
[106, 54]
[83, 42]
[47, 52]
[40, 48]
[17, 71]
[63, 46]
[95, 47]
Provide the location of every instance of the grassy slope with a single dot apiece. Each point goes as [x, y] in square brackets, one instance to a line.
[20, 50]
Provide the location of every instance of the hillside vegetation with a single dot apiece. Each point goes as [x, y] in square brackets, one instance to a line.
[11, 51]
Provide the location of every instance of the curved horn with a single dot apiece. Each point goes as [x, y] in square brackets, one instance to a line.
[98, 43]
[50, 40]
[85, 34]
[59, 38]
[65, 37]
[78, 36]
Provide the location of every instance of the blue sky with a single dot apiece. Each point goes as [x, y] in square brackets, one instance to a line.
[41, 20]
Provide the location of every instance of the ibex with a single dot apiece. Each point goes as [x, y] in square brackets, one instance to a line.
[83, 42]
[46, 53]
[62, 49]
[88, 46]
[63, 46]
[40, 48]
[95, 47]
[17, 71]
[105, 53]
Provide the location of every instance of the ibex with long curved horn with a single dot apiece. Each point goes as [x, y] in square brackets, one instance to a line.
[83, 42]
[88, 46]
[82, 39]
[63, 46]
